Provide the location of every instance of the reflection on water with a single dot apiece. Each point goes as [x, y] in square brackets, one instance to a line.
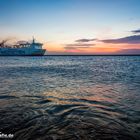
[70, 97]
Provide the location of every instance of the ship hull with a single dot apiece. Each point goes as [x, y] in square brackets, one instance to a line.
[21, 52]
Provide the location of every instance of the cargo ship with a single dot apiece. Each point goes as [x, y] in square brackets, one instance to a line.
[22, 49]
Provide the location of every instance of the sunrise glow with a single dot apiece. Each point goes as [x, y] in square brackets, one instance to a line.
[72, 26]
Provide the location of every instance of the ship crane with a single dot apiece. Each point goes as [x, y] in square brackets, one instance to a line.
[3, 42]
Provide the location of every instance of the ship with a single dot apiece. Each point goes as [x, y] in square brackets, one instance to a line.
[22, 49]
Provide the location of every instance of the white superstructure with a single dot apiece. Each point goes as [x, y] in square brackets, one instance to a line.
[22, 49]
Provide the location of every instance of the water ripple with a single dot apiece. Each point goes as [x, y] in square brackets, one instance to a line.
[75, 98]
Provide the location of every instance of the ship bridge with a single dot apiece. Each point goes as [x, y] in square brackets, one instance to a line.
[36, 45]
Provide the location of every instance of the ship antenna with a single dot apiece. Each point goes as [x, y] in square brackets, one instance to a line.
[33, 39]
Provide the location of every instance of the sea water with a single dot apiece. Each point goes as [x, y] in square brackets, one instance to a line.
[70, 97]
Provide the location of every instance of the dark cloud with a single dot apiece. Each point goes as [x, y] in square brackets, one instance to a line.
[76, 46]
[136, 31]
[84, 40]
[79, 45]
[135, 39]
[129, 51]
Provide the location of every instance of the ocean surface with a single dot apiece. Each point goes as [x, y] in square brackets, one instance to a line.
[70, 97]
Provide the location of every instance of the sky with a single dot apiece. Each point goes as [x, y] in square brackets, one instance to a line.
[74, 26]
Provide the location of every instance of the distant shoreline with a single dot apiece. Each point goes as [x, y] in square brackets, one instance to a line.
[98, 55]
[76, 55]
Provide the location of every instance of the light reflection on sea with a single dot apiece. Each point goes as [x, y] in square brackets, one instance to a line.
[70, 97]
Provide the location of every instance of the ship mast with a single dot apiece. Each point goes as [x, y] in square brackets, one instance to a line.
[33, 40]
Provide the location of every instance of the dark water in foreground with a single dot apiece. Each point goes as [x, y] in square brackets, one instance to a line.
[70, 97]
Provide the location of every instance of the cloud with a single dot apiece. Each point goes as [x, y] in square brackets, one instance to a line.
[76, 46]
[129, 51]
[136, 31]
[84, 40]
[135, 39]
[79, 45]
